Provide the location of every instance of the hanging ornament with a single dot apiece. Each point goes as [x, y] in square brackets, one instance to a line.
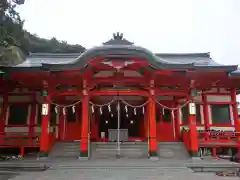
[111, 115]
[100, 110]
[135, 111]
[126, 114]
[56, 109]
[73, 109]
[64, 111]
[126, 108]
[143, 110]
[92, 109]
[109, 108]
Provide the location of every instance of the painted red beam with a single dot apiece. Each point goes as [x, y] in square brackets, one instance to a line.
[170, 93]
[119, 92]
[66, 93]
[125, 80]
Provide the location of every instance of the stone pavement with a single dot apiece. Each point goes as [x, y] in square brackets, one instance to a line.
[120, 174]
[117, 169]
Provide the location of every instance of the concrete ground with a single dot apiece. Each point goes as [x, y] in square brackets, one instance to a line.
[115, 169]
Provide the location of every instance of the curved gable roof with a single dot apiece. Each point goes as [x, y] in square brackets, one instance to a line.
[120, 47]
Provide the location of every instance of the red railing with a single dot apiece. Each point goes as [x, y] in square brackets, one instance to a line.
[218, 138]
[23, 140]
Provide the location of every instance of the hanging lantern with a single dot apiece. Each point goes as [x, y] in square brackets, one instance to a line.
[92, 109]
[143, 110]
[64, 111]
[56, 109]
[73, 109]
[126, 108]
[135, 111]
[109, 108]
[101, 110]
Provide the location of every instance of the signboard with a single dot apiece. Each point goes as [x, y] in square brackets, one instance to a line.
[192, 108]
[45, 109]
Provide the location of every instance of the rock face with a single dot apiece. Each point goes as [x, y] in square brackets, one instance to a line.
[11, 56]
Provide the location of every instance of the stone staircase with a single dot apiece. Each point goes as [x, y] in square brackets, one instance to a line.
[66, 149]
[127, 150]
[172, 150]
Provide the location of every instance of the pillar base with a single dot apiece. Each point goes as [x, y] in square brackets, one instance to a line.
[83, 155]
[43, 154]
[153, 155]
[193, 154]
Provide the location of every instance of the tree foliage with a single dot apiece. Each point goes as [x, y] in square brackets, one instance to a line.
[15, 42]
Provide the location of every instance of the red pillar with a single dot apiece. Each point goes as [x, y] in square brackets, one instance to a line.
[31, 131]
[61, 125]
[177, 121]
[4, 112]
[205, 112]
[152, 128]
[235, 110]
[193, 131]
[236, 119]
[44, 139]
[146, 121]
[85, 127]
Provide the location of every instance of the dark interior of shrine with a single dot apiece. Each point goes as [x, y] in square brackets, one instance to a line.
[129, 118]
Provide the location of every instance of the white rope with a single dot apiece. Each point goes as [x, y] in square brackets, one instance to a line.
[133, 106]
[101, 105]
[65, 106]
[171, 108]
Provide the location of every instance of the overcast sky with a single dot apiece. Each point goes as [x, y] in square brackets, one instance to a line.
[159, 25]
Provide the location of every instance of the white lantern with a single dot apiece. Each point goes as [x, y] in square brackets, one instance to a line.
[45, 109]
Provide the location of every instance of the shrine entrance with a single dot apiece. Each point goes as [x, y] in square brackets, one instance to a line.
[119, 116]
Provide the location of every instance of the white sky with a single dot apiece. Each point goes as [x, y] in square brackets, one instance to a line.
[159, 25]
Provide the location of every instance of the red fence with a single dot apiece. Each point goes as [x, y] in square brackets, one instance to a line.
[219, 139]
[23, 140]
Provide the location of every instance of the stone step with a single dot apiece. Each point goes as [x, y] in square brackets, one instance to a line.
[66, 149]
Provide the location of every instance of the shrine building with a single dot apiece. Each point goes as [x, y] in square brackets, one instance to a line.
[120, 93]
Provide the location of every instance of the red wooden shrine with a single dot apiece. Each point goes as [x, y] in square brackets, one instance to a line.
[162, 97]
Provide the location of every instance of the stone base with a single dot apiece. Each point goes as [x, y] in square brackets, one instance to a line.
[193, 154]
[83, 155]
[153, 155]
[43, 154]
